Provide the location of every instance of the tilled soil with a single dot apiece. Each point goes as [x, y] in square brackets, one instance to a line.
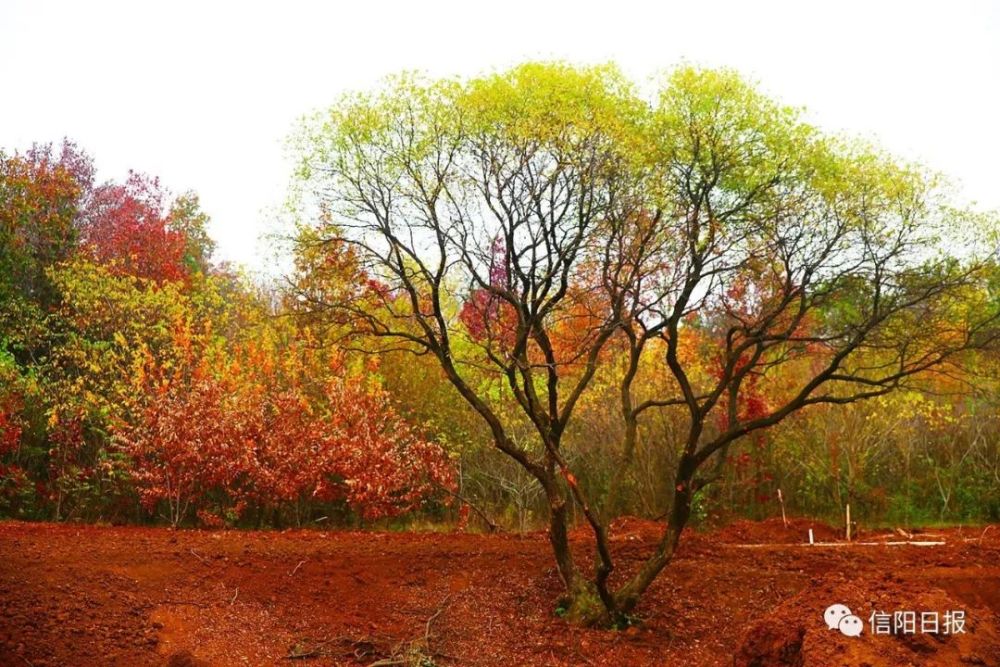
[85, 595]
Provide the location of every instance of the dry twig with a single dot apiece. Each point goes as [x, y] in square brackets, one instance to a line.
[407, 653]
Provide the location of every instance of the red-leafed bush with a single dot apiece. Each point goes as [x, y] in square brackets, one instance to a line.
[256, 431]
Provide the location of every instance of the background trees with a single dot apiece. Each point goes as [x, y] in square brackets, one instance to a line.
[526, 227]
[138, 380]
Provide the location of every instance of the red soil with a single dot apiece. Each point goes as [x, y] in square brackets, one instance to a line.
[83, 595]
[774, 531]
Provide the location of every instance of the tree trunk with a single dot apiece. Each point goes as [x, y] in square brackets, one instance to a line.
[581, 603]
[584, 606]
[559, 534]
[628, 595]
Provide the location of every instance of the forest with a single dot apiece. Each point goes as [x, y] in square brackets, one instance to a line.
[539, 301]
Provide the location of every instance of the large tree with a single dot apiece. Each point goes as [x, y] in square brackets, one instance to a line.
[530, 223]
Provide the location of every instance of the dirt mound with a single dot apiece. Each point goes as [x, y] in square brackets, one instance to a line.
[795, 634]
[633, 528]
[774, 531]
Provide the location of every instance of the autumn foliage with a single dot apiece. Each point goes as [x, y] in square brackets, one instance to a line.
[138, 380]
[126, 226]
[267, 431]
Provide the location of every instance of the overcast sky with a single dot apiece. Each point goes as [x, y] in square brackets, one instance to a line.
[203, 94]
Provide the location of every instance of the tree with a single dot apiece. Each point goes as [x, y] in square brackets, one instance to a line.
[41, 192]
[546, 191]
[101, 322]
[129, 227]
[186, 217]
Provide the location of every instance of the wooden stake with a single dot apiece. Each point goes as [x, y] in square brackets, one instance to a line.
[781, 501]
[848, 522]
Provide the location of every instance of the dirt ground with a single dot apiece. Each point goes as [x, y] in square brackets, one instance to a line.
[84, 595]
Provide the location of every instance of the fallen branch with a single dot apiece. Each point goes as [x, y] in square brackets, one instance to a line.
[427, 628]
[296, 568]
[978, 540]
[356, 648]
[314, 652]
[199, 557]
[416, 652]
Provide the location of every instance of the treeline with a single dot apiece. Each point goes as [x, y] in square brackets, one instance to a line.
[140, 381]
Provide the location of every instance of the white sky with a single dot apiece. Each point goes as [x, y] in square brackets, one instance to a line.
[203, 94]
